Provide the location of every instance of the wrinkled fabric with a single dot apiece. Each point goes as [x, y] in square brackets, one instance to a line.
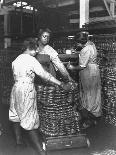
[23, 107]
[58, 65]
[23, 104]
[90, 83]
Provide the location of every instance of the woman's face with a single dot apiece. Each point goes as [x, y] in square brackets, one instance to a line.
[45, 37]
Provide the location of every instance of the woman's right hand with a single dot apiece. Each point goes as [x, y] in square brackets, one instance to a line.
[66, 86]
[69, 66]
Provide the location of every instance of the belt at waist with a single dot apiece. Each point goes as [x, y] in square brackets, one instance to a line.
[92, 63]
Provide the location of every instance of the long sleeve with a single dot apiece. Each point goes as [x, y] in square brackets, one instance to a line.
[55, 60]
[59, 65]
[39, 70]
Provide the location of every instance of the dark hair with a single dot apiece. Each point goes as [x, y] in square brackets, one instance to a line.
[30, 43]
[41, 31]
[90, 37]
[82, 37]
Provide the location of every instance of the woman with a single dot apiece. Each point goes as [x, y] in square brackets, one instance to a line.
[23, 105]
[90, 85]
[44, 48]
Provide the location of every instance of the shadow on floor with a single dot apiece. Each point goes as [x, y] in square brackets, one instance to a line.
[102, 140]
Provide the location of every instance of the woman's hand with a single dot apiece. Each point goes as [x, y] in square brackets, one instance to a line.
[70, 79]
[69, 66]
[66, 87]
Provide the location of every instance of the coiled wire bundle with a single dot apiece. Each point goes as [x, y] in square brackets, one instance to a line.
[57, 116]
[109, 106]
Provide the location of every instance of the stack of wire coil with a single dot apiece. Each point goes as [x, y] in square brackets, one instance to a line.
[55, 107]
[109, 106]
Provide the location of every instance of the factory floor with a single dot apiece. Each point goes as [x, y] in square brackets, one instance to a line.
[102, 139]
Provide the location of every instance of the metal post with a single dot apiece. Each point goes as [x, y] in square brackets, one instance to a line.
[84, 12]
[33, 20]
[21, 30]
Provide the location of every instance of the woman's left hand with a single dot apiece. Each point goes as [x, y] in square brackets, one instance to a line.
[69, 66]
[71, 80]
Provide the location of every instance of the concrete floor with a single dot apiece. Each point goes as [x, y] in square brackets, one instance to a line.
[102, 138]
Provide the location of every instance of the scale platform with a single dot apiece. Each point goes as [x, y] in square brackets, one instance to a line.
[64, 142]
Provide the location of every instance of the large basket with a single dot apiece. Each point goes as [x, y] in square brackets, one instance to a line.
[55, 107]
